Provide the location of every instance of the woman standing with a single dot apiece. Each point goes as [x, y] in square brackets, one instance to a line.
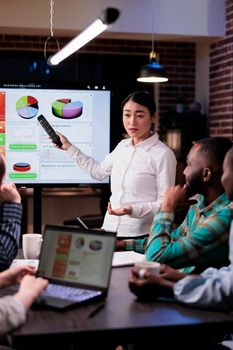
[141, 169]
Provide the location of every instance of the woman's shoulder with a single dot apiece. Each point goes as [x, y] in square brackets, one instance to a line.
[123, 143]
[163, 148]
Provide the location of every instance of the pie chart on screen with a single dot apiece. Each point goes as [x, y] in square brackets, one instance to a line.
[27, 107]
[64, 108]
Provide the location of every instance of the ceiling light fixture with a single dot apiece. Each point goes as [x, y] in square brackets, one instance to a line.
[108, 17]
[153, 72]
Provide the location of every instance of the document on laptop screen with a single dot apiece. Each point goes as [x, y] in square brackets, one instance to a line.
[80, 257]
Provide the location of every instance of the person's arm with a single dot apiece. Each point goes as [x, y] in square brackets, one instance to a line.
[215, 291]
[97, 170]
[10, 224]
[191, 243]
[137, 245]
[30, 288]
[13, 308]
[12, 314]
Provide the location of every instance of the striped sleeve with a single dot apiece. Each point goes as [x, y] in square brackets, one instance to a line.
[10, 230]
[138, 245]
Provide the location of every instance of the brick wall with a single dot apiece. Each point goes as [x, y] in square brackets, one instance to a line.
[221, 84]
[178, 58]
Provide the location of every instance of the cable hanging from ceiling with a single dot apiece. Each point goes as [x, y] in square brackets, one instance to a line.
[106, 18]
[51, 36]
[153, 72]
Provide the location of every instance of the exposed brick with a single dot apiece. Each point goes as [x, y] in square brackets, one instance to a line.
[179, 60]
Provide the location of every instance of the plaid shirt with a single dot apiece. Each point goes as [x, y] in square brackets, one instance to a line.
[10, 229]
[199, 242]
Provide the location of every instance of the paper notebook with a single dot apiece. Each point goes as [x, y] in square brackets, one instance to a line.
[127, 258]
[27, 262]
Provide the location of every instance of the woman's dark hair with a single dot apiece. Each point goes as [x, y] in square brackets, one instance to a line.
[143, 98]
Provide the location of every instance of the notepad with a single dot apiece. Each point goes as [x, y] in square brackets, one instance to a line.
[127, 258]
[25, 262]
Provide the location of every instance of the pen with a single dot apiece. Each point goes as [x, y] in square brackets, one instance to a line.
[96, 310]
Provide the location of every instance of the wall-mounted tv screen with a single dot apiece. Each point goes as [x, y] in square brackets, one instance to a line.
[82, 115]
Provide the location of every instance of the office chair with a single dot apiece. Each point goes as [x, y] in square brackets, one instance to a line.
[85, 221]
[92, 221]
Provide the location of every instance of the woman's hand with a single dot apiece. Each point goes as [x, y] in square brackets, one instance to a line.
[14, 275]
[119, 211]
[9, 193]
[30, 288]
[65, 142]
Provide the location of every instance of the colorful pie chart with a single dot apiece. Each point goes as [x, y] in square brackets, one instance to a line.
[65, 109]
[27, 107]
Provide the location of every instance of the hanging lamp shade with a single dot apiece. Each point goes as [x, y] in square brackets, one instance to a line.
[153, 72]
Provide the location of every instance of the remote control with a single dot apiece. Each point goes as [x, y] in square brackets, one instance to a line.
[50, 131]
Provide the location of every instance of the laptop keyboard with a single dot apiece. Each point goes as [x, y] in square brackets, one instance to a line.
[70, 293]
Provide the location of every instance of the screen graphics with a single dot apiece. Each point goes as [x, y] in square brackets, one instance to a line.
[82, 115]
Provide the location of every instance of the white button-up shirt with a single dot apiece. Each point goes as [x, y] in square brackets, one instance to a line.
[140, 174]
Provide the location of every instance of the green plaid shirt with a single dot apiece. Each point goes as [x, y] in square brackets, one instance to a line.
[199, 242]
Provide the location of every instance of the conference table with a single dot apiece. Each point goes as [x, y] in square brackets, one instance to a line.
[122, 320]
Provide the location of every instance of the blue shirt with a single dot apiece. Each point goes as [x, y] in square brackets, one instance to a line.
[212, 289]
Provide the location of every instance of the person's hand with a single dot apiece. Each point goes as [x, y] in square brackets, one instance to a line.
[174, 196]
[9, 193]
[30, 288]
[14, 275]
[151, 286]
[65, 142]
[127, 210]
[170, 274]
[119, 245]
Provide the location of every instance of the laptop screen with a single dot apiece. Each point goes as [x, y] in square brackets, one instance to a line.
[74, 256]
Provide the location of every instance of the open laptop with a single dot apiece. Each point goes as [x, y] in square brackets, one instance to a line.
[77, 262]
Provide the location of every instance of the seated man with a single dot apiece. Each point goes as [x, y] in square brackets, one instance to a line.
[212, 289]
[10, 220]
[202, 239]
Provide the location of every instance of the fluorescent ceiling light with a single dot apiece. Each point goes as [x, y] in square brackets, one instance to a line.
[98, 26]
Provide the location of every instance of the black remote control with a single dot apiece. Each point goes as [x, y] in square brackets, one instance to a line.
[50, 131]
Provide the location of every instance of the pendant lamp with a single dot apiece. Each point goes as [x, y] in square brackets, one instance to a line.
[153, 72]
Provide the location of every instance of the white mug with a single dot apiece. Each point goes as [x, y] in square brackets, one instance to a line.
[32, 245]
[145, 266]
